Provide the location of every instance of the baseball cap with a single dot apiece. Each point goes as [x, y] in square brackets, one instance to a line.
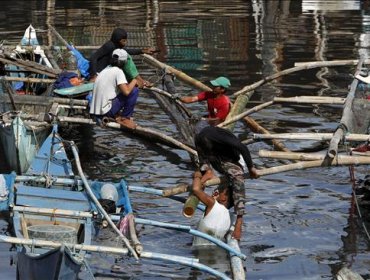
[120, 54]
[221, 82]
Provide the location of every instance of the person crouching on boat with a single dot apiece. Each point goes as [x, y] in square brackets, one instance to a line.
[113, 96]
[216, 219]
[101, 57]
[221, 149]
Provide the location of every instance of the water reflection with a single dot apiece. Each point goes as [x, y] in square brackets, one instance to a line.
[299, 225]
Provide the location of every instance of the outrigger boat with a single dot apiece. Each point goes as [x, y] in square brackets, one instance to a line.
[55, 212]
[25, 116]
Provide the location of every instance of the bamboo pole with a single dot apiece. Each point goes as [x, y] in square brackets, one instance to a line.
[154, 135]
[115, 250]
[37, 100]
[346, 119]
[346, 274]
[97, 203]
[180, 188]
[29, 80]
[244, 95]
[310, 100]
[314, 163]
[188, 229]
[299, 67]
[302, 156]
[31, 66]
[179, 74]
[255, 127]
[236, 263]
[118, 251]
[24, 227]
[246, 113]
[131, 222]
[190, 205]
[350, 137]
[52, 212]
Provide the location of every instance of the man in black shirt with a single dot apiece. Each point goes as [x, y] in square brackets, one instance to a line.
[222, 150]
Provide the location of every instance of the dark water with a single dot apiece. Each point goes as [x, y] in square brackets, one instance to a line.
[299, 224]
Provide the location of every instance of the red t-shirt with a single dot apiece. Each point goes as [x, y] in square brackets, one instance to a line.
[217, 107]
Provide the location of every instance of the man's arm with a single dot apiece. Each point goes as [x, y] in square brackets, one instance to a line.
[189, 99]
[197, 189]
[127, 88]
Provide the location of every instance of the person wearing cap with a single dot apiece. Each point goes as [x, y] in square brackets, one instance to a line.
[101, 58]
[113, 96]
[218, 103]
[219, 148]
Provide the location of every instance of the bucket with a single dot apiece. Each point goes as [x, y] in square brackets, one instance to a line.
[57, 233]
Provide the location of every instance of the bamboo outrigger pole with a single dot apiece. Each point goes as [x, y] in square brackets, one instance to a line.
[97, 203]
[345, 122]
[351, 137]
[179, 74]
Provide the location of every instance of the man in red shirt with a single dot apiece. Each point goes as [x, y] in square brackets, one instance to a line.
[218, 103]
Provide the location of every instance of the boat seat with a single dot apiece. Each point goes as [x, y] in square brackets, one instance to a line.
[52, 198]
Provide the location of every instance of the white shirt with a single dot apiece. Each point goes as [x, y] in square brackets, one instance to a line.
[106, 89]
[216, 223]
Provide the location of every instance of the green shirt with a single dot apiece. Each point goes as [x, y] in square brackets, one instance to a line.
[130, 69]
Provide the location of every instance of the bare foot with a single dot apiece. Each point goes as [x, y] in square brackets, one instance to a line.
[126, 122]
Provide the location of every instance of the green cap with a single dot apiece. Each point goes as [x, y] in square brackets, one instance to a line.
[221, 82]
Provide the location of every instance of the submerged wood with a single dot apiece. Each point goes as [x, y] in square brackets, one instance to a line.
[352, 137]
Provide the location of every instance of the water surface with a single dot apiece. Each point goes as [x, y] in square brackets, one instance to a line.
[299, 224]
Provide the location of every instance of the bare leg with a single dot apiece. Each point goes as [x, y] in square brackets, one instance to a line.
[237, 234]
